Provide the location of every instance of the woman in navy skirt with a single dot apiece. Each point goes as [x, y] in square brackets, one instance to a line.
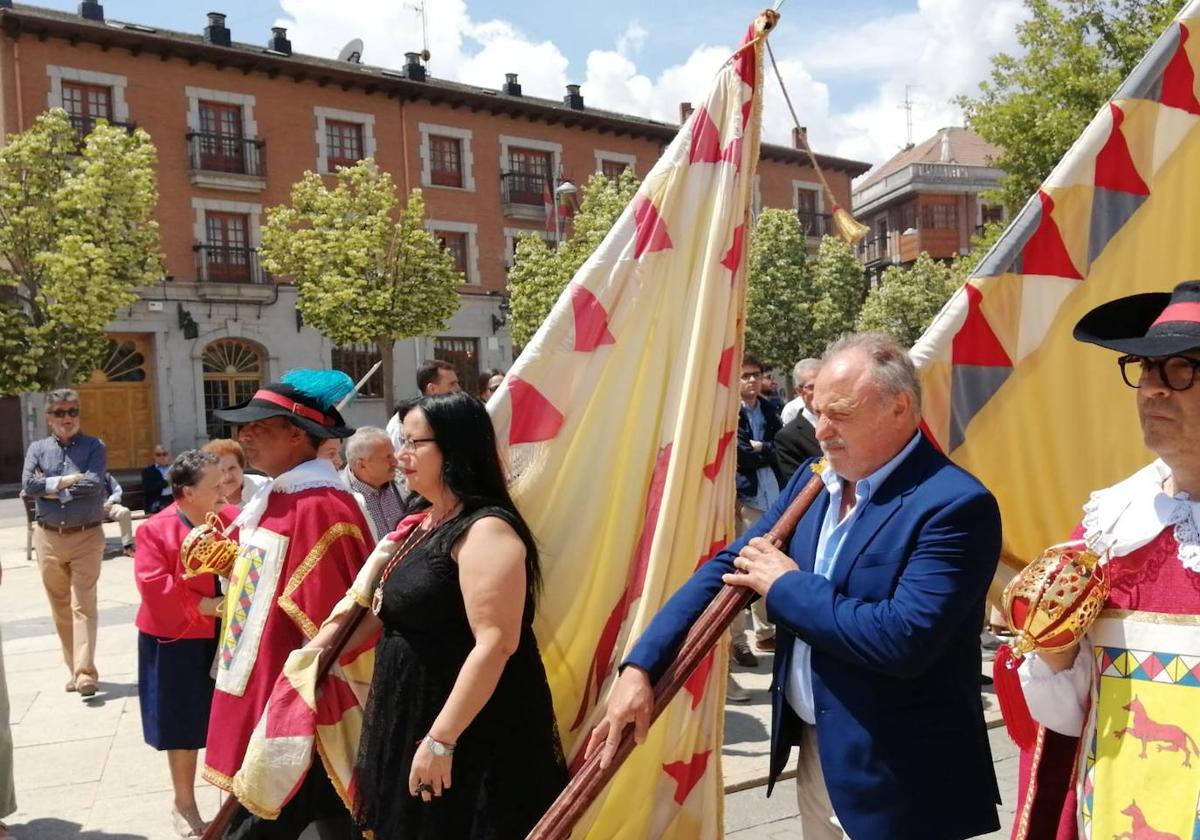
[177, 630]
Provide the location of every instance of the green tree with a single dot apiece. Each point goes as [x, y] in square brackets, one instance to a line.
[77, 237]
[838, 289]
[779, 293]
[906, 299]
[366, 272]
[540, 273]
[1074, 54]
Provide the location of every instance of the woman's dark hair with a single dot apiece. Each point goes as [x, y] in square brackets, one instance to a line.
[187, 468]
[484, 379]
[471, 465]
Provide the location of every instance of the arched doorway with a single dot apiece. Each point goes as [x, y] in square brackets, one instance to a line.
[117, 401]
[232, 373]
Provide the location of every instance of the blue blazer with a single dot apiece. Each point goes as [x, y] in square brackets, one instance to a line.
[895, 650]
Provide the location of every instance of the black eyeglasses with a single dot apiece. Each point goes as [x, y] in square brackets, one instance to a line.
[410, 444]
[1176, 372]
[60, 413]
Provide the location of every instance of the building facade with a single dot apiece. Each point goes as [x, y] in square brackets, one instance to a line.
[927, 198]
[235, 125]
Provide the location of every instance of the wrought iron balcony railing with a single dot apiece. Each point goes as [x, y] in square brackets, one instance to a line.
[227, 153]
[228, 264]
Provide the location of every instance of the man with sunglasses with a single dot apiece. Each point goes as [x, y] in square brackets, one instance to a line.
[64, 474]
[1120, 713]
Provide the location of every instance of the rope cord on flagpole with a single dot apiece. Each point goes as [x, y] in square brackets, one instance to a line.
[801, 134]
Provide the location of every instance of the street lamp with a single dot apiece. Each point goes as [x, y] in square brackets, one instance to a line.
[564, 188]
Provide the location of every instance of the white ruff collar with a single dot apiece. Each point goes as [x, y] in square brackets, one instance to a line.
[315, 473]
[1132, 513]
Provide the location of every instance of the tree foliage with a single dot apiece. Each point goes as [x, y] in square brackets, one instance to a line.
[838, 290]
[779, 293]
[366, 271]
[540, 272]
[77, 237]
[906, 299]
[1074, 55]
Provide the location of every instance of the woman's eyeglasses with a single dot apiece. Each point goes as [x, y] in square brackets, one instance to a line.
[410, 444]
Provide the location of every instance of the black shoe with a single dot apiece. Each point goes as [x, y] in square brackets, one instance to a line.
[743, 656]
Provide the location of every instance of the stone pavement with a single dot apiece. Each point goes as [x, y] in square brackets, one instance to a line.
[84, 773]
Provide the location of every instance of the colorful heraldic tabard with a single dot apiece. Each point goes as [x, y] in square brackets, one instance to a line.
[1140, 773]
[247, 605]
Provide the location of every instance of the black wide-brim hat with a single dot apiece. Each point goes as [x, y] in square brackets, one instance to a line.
[280, 400]
[1150, 324]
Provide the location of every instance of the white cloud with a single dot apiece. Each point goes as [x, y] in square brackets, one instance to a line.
[942, 48]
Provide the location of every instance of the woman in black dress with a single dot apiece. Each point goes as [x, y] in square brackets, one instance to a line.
[459, 738]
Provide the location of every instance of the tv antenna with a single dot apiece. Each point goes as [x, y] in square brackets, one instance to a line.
[352, 52]
[907, 107]
[418, 6]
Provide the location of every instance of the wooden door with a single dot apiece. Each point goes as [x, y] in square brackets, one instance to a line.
[117, 402]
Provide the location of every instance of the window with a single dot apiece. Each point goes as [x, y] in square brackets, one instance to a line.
[355, 361]
[86, 104]
[612, 169]
[528, 173]
[226, 253]
[445, 161]
[463, 353]
[456, 244]
[220, 138]
[908, 216]
[992, 213]
[939, 217]
[232, 373]
[808, 208]
[345, 143]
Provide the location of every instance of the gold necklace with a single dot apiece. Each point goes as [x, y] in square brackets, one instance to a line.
[415, 538]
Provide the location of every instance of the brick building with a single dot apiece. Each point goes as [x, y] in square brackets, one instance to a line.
[235, 126]
[926, 198]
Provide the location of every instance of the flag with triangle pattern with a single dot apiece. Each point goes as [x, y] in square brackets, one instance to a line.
[1041, 419]
[618, 421]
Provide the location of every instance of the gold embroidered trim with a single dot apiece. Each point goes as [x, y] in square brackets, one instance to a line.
[361, 599]
[217, 778]
[290, 607]
[1031, 793]
[1151, 617]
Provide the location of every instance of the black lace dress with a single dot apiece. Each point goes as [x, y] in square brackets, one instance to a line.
[508, 766]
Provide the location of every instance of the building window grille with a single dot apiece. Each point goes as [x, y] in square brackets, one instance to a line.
[344, 141]
[445, 161]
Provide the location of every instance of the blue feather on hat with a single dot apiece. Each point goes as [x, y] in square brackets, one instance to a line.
[327, 387]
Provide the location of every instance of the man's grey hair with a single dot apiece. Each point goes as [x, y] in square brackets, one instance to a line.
[805, 370]
[68, 395]
[186, 469]
[358, 444]
[891, 367]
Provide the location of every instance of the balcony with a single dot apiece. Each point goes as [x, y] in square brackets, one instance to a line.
[232, 274]
[227, 162]
[925, 177]
[815, 225]
[875, 250]
[84, 125]
[523, 194]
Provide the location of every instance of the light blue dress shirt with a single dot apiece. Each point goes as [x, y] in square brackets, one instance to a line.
[799, 688]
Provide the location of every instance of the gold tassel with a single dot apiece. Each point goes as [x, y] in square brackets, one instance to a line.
[848, 227]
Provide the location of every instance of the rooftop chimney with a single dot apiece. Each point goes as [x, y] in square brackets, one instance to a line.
[685, 111]
[216, 31]
[573, 98]
[89, 10]
[413, 68]
[510, 84]
[800, 136]
[279, 41]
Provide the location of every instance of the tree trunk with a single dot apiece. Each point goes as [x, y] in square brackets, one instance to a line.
[387, 354]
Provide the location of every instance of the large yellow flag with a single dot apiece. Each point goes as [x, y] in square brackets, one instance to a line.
[619, 420]
[1039, 418]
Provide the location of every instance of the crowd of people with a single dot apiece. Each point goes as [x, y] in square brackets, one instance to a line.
[872, 608]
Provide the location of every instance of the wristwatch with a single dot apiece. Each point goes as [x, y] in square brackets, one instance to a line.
[437, 747]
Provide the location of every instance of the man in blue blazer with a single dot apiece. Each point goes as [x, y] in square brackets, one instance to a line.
[878, 605]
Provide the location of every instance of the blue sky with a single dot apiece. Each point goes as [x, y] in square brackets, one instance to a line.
[846, 64]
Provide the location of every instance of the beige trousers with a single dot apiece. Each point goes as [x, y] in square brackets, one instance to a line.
[70, 566]
[123, 516]
[817, 820]
[745, 517]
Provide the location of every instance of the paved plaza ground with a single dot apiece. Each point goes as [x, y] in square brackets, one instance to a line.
[83, 772]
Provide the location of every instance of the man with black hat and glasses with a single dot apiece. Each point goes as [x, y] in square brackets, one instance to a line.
[302, 540]
[64, 475]
[1119, 714]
